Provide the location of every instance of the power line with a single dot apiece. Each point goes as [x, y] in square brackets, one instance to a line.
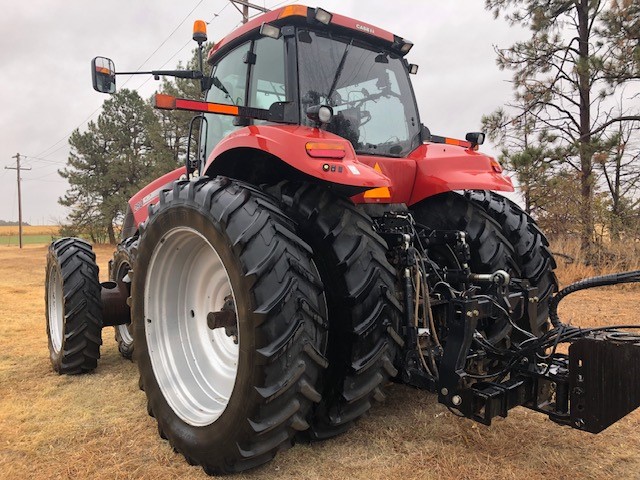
[245, 8]
[170, 35]
[215, 15]
[141, 65]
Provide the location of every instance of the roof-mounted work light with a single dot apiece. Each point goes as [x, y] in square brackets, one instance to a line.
[405, 47]
[269, 31]
[402, 45]
[323, 16]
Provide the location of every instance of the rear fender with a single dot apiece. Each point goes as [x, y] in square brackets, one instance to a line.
[443, 168]
[139, 203]
[268, 153]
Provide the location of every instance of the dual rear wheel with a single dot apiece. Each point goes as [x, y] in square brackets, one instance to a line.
[239, 344]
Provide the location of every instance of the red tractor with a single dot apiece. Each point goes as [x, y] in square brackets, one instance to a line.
[319, 243]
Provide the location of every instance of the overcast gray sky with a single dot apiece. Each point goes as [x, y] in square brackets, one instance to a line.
[46, 48]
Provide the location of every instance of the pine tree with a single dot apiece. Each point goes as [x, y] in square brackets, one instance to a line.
[565, 76]
[117, 155]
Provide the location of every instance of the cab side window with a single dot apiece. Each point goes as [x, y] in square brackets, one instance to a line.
[229, 87]
[268, 73]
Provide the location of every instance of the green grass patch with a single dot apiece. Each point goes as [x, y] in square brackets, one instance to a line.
[26, 239]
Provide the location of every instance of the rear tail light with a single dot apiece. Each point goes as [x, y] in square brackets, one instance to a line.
[325, 150]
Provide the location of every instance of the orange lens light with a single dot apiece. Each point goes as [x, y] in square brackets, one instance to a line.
[294, 10]
[380, 193]
[200, 31]
[496, 166]
[325, 150]
[165, 102]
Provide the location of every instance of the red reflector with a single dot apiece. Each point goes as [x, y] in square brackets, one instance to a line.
[325, 150]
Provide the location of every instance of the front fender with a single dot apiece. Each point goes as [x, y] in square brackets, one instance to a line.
[443, 168]
[287, 143]
[139, 203]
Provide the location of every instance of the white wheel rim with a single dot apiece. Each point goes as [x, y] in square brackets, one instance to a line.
[195, 367]
[124, 331]
[56, 309]
[125, 334]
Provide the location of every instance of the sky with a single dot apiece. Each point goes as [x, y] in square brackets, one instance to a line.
[46, 48]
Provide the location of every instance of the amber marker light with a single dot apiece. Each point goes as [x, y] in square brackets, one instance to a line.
[459, 143]
[165, 102]
[294, 10]
[200, 31]
[325, 150]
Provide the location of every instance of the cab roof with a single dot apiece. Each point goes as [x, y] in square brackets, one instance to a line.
[302, 14]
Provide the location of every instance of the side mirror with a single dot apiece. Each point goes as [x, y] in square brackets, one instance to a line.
[103, 75]
[475, 138]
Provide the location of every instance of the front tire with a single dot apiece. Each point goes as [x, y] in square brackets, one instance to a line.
[226, 397]
[73, 306]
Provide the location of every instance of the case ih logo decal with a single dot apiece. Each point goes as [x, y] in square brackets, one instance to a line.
[364, 28]
[148, 198]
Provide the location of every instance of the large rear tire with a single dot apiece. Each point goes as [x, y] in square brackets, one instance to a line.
[531, 249]
[364, 315]
[229, 324]
[73, 306]
[500, 236]
[119, 267]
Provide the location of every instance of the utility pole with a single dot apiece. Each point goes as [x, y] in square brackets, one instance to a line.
[17, 169]
[245, 8]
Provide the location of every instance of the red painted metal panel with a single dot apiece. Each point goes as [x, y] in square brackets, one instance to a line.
[288, 143]
[442, 168]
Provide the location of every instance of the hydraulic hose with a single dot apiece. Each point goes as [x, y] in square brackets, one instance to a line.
[600, 281]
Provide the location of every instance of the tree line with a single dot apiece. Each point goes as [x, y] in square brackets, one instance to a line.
[570, 134]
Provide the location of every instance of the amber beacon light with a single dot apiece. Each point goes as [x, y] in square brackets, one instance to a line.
[200, 31]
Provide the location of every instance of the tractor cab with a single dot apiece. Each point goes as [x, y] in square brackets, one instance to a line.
[331, 72]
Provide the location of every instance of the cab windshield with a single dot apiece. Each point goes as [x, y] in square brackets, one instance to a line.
[367, 88]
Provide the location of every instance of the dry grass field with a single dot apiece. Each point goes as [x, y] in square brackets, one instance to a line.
[96, 426]
[7, 231]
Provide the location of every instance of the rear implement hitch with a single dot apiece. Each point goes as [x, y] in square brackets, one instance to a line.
[593, 387]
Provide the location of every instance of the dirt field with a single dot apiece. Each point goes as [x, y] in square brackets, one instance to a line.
[96, 426]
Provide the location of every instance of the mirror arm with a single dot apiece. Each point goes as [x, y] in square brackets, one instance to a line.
[191, 74]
